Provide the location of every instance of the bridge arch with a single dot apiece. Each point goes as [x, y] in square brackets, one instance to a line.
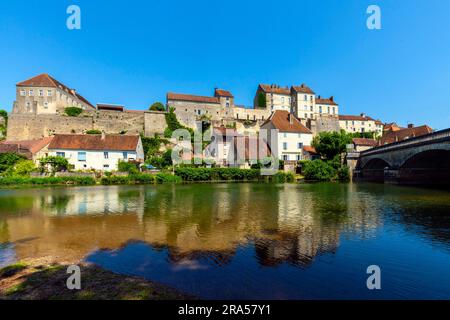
[375, 164]
[427, 167]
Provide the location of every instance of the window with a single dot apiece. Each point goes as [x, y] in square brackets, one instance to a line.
[23, 93]
[306, 116]
[61, 154]
[299, 157]
[228, 98]
[106, 166]
[285, 157]
[285, 145]
[334, 110]
[81, 156]
[285, 135]
[306, 107]
[312, 109]
[106, 155]
[49, 93]
[31, 93]
[125, 155]
[228, 104]
[45, 105]
[306, 97]
[41, 93]
[282, 100]
[28, 104]
[329, 110]
[300, 145]
[320, 109]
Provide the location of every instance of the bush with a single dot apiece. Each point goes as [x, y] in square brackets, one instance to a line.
[157, 106]
[73, 111]
[8, 160]
[215, 174]
[140, 179]
[47, 181]
[56, 164]
[129, 167]
[344, 174]
[93, 132]
[24, 168]
[167, 178]
[318, 170]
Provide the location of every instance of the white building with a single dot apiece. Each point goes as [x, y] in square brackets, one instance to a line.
[361, 124]
[99, 152]
[291, 138]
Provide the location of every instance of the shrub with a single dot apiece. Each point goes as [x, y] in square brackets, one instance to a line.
[343, 174]
[157, 106]
[319, 170]
[214, 174]
[47, 181]
[56, 164]
[167, 178]
[73, 111]
[8, 160]
[24, 168]
[129, 167]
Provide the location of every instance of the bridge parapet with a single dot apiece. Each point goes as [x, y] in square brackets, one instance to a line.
[432, 137]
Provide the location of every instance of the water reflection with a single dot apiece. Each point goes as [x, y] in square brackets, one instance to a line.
[229, 226]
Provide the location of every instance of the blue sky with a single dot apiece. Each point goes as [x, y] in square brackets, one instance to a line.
[134, 52]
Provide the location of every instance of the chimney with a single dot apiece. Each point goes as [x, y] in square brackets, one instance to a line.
[410, 126]
[332, 98]
[363, 115]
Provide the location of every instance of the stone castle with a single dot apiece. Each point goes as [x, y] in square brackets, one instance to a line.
[39, 111]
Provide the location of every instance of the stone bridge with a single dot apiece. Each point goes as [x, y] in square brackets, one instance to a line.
[423, 160]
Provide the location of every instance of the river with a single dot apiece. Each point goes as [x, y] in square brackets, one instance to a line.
[243, 240]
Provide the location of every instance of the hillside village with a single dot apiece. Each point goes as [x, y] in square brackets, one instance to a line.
[49, 118]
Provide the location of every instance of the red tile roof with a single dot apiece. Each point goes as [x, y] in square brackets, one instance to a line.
[95, 142]
[110, 107]
[310, 149]
[223, 93]
[191, 98]
[364, 142]
[287, 122]
[329, 101]
[403, 134]
[45, 80]
[391, 127]
[355, 118]
[303, 88]
[34, 146]
[274, 89]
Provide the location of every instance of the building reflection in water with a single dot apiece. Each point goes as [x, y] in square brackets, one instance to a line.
[285, 223]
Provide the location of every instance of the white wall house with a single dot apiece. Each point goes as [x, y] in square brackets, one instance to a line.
[220, 148]
[291, 138]
[99, 152]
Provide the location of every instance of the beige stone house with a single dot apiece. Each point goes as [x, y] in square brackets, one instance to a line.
[43, 94]
[361, 124]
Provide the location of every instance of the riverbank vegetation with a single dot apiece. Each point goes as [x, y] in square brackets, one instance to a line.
[330, 167]
[40, 280]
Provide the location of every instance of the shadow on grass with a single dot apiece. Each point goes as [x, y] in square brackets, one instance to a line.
[48, 282]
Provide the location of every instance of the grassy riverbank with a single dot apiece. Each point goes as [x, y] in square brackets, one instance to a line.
[184, 174]
[39, 280]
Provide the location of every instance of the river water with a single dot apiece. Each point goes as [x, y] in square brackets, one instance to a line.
[243, 240]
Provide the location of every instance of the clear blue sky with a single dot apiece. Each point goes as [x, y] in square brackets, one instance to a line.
[133, 52]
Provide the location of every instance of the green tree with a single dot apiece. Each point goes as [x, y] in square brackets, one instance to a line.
[8, 161]
[54, 164]
[4, 114]
[157, 106]
[262, 103]
[24, 168]
[331, 144]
